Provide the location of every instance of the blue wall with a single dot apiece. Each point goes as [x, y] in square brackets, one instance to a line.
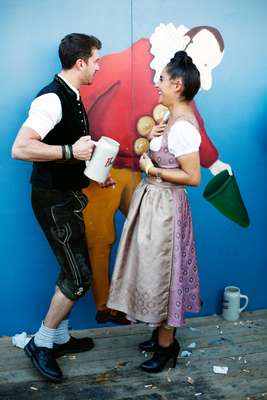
[235, 115]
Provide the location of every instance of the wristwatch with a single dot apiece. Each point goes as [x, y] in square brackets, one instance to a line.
[158, 176]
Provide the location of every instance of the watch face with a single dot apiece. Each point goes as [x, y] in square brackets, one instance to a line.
[158, 177]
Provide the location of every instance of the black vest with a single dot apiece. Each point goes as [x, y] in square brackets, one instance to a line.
[66, 175]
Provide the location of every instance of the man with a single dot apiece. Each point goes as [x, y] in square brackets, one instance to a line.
[122, 94]
[56, 138]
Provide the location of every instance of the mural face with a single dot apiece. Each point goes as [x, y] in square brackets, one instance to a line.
[203, 44]
[206, 54]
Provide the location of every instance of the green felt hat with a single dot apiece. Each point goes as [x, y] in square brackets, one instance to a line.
[224, 194]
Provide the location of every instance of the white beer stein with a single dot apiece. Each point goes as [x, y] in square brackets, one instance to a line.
[105, 152]
[231, 303]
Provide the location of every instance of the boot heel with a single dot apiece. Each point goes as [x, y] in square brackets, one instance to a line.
[174, 361]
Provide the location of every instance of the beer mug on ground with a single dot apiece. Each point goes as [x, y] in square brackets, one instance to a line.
[105, 152]
[231, 303]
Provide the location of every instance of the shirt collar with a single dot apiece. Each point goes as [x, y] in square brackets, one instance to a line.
[76, 91]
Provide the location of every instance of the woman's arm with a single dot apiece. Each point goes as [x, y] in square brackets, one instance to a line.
[188, 174]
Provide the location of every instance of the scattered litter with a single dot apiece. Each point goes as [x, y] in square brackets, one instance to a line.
[187, 364]
[198, 394]
[232, 358]
[190, 380]
[193, 329]
[103, 378]
[169, 375]
[220, 332]
[201, 351]
[72, 357]
[121, 364]
[151, 386]
[186, 353]
[245, 361]
[218, 326]
[33, 388]
[239, 358]
[245, 370]
[220, 370]
[20, 340]
[192, 345]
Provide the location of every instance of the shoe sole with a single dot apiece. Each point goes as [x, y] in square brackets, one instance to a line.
[51, 378]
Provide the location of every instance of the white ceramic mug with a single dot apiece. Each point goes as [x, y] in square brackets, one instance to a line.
[105, 152]
[231, 303]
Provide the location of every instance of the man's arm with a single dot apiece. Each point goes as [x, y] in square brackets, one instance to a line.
[29, 147]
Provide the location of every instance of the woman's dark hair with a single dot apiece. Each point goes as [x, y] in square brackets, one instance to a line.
[75, 46]
[182, 66]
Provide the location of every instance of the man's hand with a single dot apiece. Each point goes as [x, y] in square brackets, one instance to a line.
[108, 182]
[220, 166]
[83, 149]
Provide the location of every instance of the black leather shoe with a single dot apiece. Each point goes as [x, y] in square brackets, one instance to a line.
[152, 343]
[161, 357]
[102, 316]
[74, 345]
[44, 361]
[118, 318]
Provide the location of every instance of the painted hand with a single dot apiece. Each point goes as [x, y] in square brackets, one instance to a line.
[144, 162]
[220, 166]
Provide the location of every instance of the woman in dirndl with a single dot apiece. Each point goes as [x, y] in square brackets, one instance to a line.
[155, 278]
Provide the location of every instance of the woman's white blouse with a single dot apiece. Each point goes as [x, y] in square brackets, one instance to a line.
[183, 139]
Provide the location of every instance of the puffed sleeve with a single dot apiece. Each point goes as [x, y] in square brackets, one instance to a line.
[183, 139]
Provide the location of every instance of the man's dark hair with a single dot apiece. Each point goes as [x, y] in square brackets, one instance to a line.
[75, 46]
[182, 66]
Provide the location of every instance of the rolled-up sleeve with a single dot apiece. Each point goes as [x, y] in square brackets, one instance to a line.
[45, 112]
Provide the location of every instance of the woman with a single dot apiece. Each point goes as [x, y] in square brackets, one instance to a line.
[155, 278]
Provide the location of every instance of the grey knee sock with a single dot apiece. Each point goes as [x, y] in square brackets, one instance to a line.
[44, 337]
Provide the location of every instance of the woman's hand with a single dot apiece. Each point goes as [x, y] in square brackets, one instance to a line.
[157, 130]
[144, 162]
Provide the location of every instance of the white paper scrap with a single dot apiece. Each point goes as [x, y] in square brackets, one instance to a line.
[220, 370]
[20, 340]
[191, 345]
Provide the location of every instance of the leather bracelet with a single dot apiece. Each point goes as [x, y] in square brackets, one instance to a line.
[67, 152]
[71, 151]
[63, 152]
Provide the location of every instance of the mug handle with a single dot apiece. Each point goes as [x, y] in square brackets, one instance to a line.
[242, 296]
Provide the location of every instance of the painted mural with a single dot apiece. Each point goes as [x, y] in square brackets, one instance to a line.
[123, 104]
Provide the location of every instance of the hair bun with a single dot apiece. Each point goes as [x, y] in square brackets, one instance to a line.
[181, 57]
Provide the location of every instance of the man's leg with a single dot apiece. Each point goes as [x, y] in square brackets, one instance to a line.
[59, 310]
[60, 216]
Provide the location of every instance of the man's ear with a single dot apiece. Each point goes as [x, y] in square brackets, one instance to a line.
[79, 63]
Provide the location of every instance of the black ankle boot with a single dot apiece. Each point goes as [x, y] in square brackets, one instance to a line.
[161, 357]
[152, 343]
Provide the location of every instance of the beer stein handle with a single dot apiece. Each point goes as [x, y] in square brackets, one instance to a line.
[242, 296]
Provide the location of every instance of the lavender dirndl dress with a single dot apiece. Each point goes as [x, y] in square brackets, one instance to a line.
[155, 277]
